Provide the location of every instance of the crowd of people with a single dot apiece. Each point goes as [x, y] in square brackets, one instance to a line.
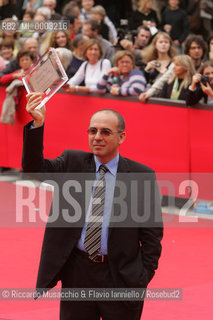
[161, 49]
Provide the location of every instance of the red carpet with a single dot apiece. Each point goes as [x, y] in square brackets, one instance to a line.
[186, 262]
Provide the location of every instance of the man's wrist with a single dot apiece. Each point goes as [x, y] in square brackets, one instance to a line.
[37, 124]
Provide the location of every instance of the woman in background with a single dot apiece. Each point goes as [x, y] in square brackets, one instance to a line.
[25, 61]
[11, 35]
[145, 15]
[177, 88]
[6, 52]
[158, 57]
[91, 70]
[123, 79]
[60, 39]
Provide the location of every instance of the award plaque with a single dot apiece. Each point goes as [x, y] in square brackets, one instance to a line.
[47, 75]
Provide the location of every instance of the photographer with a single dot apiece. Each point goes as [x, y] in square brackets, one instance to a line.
[140, 40]
[202, 85]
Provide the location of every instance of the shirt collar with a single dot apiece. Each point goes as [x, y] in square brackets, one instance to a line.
[112, 165]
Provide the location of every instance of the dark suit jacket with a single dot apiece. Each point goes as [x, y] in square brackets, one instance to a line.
[133, 244]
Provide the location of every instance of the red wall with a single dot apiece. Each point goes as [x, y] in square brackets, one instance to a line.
[169, 139]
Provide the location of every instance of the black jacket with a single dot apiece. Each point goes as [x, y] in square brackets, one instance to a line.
[12, 66]
[193, 97]
[179, 21]
[137, 17]
[133, 246]
[167, 90]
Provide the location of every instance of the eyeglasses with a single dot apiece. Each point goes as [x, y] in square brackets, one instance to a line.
[105, 132]
[194, 48]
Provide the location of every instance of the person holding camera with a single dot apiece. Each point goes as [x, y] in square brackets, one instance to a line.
[123, 79]
[139, 42]
[140, 39]
[158, 56]
[202, 85]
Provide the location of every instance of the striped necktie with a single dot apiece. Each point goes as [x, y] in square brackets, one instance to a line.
[92, 242]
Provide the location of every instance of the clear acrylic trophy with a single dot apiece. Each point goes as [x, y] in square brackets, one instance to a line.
[47, 75]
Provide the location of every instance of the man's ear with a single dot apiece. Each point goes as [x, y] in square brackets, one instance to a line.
[122, 137]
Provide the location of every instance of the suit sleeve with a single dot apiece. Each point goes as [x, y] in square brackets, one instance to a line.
[32, 156]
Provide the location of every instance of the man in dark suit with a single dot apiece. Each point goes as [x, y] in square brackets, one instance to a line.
[129, 206]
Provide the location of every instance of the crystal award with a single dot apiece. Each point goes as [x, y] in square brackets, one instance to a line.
[47, 75]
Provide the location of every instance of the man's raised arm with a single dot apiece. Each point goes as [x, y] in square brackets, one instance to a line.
[38, 115]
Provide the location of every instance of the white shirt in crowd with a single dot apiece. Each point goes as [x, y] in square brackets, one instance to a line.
[90, 74]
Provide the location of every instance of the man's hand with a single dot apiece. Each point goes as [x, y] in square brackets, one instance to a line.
[33, 100]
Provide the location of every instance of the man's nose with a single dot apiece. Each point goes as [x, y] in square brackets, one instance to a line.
[98, 135]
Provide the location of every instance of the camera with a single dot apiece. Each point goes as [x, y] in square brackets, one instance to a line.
[123, 32]
[157, 64]
[204, 80]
